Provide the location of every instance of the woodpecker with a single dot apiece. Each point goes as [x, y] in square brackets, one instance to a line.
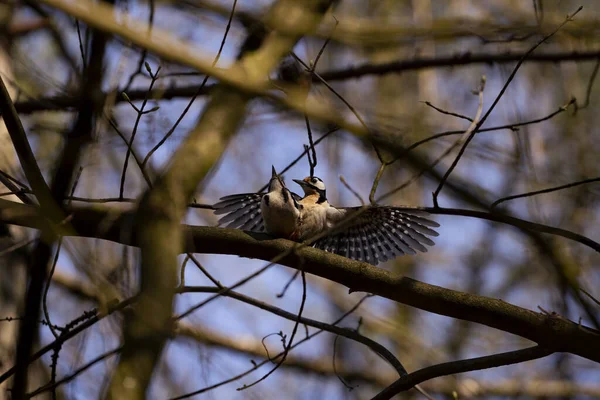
[276, 212]
[372, 234]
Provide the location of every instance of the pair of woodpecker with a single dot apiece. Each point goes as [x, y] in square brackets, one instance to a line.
[372, 234]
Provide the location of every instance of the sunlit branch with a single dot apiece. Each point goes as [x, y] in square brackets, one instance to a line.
[356, 275]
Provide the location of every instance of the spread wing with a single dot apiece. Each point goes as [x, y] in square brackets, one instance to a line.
[243, 211]
[379, 234]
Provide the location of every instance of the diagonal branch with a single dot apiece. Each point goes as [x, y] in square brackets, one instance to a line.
[455, 367]
[551, 331]
[163, 206]
[496, 100]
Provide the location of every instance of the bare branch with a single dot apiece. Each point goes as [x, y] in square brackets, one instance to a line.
[548, 190]
[464, 137]
[455, 367]
[496, 100]
[164, 205]
[555, 333]
[453, 114]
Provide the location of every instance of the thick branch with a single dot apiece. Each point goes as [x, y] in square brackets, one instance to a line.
[453, 61]
[69, 102]
[157, 228]
[550, 331]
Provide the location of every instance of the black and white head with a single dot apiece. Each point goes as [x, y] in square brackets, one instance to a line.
[313, 185]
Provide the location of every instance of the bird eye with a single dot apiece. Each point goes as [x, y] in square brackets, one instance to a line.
[313, 180]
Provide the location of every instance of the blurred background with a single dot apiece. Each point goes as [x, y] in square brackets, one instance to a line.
[422, 51]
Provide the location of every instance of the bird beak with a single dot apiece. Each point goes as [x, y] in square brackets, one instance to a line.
[299, 182]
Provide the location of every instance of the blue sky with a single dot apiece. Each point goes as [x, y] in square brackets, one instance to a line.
[268, 138]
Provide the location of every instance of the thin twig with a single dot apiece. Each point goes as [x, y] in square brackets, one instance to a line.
[16, 246]
[281, 335]
[81, 46]
[376, 184]
[140, 112]
[447, 112]
[204, 271]
[590, 85]
[197, 93]
[47, 288]
[287, 285]
[496, 100]
[133, 152]
[76, 373]
[351, 334]
[256, 366]
[455, 367]
[464, 137]
[53, 268]
[516, 222]
[320, 53]
[312, 160]
[80, 324]
[460, 140]
[138, 70]
[548, 190]
[182, 272]
[299, 157]
[343, 100]
[306, 82]
[595, 300]
[291, 341]
[514, 126]
[15, 180]
[348, 386]
[43, 322]
[354, 192]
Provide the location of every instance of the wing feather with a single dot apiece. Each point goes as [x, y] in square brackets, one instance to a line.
[251, 220]
[381, 233]
[242, 218]
[242, 211]
[235, 201]
[387, 247]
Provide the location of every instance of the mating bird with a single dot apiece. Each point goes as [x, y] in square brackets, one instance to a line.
[372, 234]
[277, 212]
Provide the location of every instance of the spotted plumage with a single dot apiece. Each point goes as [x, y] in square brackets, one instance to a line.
[371, 234]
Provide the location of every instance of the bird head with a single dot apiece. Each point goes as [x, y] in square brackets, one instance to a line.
[312, 185]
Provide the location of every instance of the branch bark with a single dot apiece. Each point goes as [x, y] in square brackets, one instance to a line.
[157, 221]
[455, 367]
[550, 331]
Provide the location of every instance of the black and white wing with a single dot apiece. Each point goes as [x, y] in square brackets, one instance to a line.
[379, 234]
[243, 211]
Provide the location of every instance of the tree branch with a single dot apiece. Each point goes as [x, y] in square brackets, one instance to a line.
[66, 102]
[163, 206]
[455, 367]
[551, 331]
